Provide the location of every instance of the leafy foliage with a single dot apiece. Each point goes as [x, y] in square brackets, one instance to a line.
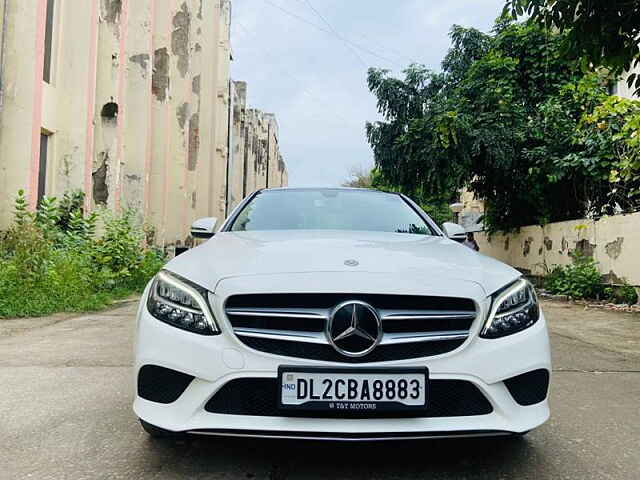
[55, 256]
[598, 33]
[611, 133]
[506, 118]
[621, 294]
[581, 279]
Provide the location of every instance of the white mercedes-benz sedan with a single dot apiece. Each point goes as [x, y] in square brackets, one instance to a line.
[340, 314]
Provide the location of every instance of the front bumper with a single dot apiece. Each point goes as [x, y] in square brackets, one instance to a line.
[213, 361]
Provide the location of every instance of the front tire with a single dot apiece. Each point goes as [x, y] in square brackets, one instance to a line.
[157, 432]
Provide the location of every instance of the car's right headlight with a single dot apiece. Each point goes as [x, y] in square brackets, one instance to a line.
[182, 304]
[513, 309]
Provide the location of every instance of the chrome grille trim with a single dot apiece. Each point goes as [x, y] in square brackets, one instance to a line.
[391, 338]
[319, 337]
[423, 315]
[287, 324]
[279, 313]
[293, 336]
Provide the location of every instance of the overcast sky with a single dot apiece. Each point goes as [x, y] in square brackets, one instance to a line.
[311, 72]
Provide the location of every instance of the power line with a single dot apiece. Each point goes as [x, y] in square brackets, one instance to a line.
[321, 101]
[379, 46]
[340, 37]
[318, 27]
[390, 49]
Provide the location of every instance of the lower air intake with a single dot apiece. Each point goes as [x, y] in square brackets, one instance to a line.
[529, 388]
[160, 384]
[259, 397]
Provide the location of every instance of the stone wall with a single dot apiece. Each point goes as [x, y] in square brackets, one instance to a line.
[612, 241]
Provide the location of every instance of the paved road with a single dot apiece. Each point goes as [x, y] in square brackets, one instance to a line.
[65, 412]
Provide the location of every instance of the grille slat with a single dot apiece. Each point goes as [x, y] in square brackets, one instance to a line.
[395, 338]
[382, 353]
[294, 324]
[278, 312]
[290, 335]
[290, 301]
[424, 315]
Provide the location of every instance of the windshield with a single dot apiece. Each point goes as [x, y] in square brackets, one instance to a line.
[330, 209]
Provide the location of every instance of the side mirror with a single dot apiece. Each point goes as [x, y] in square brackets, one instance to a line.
[204, 227]
[454, 231]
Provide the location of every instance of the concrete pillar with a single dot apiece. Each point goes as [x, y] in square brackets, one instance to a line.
[110, 105]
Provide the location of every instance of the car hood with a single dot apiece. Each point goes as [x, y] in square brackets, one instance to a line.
[234, 254]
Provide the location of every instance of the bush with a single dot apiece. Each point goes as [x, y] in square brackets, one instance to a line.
[581, 279]
[621, 294]
[52, 261]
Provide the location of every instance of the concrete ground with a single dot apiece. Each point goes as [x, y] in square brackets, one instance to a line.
[65, 412]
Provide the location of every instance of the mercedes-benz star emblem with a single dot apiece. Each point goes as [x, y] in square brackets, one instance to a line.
[354, 328]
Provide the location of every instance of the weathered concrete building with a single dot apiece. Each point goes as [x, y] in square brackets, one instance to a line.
[255, 160]
[126, 100]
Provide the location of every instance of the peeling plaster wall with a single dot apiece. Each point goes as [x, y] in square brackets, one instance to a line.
[611, 241]
[273, 152]
[203, 88]
[235, 191]
[2, 26]
[137, 111]
[137, 87]
[137, 133]
[221, 123]
[18, 102]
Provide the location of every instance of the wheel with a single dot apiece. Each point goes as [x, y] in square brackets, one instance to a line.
[157, 432]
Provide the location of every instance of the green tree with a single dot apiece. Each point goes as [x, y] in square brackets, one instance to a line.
[598, 33]
[501, 119]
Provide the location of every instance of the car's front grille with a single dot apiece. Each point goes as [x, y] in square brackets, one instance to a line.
[382, 353]
[259, 397]
[294, 325]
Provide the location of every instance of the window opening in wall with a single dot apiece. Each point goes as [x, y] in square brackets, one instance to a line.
[48, 41]
[42, 169]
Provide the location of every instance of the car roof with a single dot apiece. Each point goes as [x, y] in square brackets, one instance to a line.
[320, 189]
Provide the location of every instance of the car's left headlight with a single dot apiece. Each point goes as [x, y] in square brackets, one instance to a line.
[181, 303]
[513, 309]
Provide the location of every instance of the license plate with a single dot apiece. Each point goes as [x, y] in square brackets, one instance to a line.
[351, 389]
